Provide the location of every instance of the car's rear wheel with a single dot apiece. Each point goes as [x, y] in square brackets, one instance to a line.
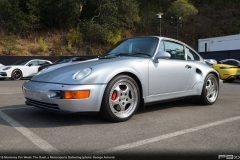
[1, 79]
[121, 99]
[16, 74]
[210, 90]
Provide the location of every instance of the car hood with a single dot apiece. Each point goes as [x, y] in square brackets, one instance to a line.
[53, 66]
[64, 74]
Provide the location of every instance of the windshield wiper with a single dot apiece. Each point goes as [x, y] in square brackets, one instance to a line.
[123, 54]
[106, 57]
[145, 54]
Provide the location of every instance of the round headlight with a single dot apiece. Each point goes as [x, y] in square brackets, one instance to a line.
[82, 73]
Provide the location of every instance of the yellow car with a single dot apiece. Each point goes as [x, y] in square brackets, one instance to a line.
[228, 69]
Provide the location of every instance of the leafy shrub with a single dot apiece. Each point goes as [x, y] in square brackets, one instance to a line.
[9, 43]
[74, 37]
[42, 44]
[114, 37]
[93, 32]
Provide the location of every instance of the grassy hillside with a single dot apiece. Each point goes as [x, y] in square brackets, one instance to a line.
[90, 27]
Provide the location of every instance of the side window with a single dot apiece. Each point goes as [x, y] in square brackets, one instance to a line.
[176, 50]
[33, 63]
[74, 60]
[232, 63]
[191, 55]
[41, 63]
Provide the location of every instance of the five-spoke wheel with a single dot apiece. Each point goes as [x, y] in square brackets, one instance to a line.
[121, 99]
[210, 90]
[16, 74]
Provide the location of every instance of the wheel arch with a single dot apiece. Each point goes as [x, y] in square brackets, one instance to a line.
[217, 75]
[105, 112]
[135, 78]
[19, 70]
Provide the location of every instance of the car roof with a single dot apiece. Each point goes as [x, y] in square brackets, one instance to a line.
[165, 38]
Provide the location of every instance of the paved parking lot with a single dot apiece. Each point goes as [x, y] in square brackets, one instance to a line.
[175, 129]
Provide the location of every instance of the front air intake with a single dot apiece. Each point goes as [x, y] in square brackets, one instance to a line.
[42, 105]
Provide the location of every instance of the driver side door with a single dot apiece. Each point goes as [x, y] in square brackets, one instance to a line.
[169, 75]
[31, 68]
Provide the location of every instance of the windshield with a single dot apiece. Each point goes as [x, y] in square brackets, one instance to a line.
[62, 60]
[22, 62]
[140, 46]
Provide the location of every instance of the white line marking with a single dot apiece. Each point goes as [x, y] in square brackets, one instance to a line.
[3, 109]
[166, 136]
[12, 93]
[44, 145]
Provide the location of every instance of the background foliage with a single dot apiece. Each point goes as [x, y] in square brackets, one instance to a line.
[82, 27]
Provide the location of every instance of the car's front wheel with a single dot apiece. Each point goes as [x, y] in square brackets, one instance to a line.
[121, 99]
[210, 90]
[16, 74]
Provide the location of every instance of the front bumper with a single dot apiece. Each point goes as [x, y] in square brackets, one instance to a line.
[40, 94]
[3, 74]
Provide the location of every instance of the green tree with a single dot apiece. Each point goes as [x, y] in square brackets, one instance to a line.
[182, 8]
[120, 14]
[110, 19]
[60, 13]
[19, 17]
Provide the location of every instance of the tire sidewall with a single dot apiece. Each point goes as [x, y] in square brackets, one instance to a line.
[203, 98]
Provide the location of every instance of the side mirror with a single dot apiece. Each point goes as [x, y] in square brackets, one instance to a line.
[210, 61]
[161, 55]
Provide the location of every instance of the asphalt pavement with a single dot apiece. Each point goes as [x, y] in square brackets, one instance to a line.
[173, 130]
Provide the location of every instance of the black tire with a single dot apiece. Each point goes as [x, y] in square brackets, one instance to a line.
[1, 79]
[210, 90]
[121, 99]
[16, 74]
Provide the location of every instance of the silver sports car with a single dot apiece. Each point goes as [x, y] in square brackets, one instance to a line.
[136, 71]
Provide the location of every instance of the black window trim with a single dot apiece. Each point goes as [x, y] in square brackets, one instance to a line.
[192, 51]
[164, 40]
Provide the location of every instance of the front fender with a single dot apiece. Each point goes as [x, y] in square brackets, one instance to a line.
[102, 74]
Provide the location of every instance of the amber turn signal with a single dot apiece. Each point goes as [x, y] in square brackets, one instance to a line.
[76, 94]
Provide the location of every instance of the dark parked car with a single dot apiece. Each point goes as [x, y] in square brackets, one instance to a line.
[64, 60]
[231, 62]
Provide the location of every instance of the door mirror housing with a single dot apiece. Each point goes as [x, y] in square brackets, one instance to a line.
[161, 55]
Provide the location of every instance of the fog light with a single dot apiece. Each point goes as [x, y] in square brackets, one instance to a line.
[54, 94]
[76, 94]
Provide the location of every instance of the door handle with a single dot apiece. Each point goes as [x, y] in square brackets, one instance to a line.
[188, 67]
